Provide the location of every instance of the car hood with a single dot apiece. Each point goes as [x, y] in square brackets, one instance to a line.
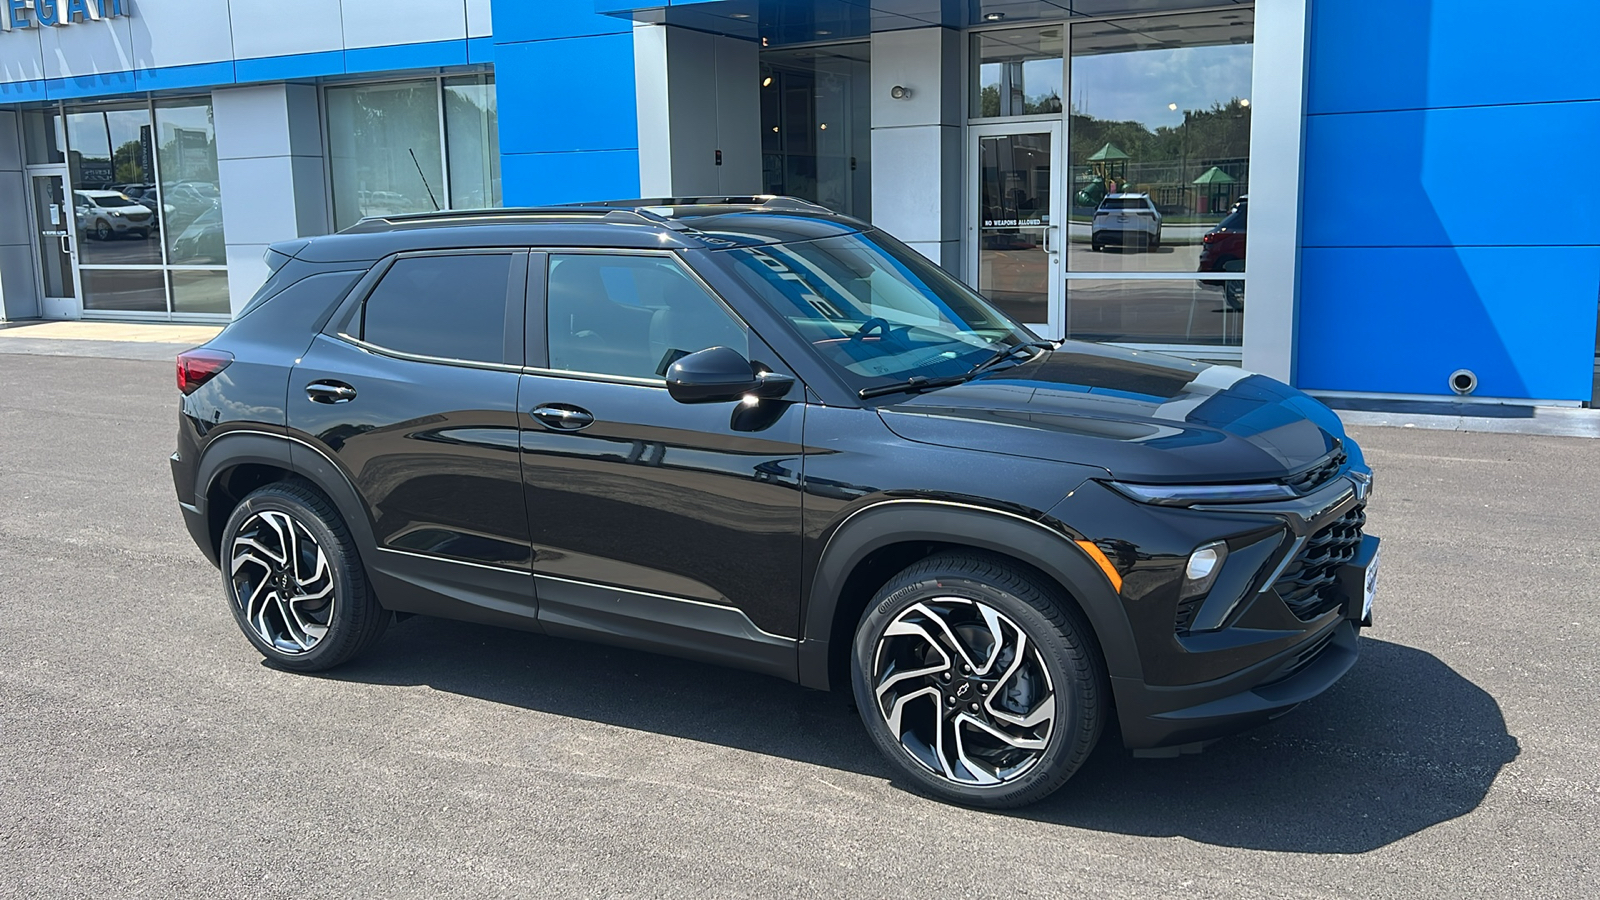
[1143, 417]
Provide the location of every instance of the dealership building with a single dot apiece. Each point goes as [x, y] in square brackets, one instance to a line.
[1414, 172]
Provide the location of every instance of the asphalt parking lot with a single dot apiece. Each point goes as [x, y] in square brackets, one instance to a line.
[145, 750]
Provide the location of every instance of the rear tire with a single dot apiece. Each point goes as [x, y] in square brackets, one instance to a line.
[978, 681]
[295, 582]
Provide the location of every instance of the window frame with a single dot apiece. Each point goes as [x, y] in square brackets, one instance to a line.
[352, 315]
[751, 336]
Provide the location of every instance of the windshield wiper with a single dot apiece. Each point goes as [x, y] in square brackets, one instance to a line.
[912, 385]
[1005, 353]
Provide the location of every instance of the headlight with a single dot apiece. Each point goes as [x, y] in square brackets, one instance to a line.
[113, 212]
[1191, 494]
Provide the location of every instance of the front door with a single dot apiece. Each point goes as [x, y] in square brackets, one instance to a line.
[656, 524]
[56, 241]
[1016, 230]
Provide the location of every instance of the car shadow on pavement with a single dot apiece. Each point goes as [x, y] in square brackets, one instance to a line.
[1402, 743]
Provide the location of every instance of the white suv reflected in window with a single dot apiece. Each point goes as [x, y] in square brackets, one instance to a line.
[1124, 220]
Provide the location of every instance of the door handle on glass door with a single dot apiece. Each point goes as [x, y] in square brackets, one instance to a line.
[330, 392]
[559, 417]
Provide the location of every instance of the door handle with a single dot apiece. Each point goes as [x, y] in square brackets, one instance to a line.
[559, 417]
[330, 392]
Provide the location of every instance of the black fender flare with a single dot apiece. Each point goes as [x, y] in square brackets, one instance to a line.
[1009, 534]
[294, 455]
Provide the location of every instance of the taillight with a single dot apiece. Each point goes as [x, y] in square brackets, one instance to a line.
[196, 367]
[1211, 237]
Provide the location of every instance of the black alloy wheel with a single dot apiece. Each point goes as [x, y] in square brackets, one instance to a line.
[978, 681]
[295, 582]
[102, 230]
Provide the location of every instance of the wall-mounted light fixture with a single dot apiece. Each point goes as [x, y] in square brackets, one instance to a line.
[900, 93]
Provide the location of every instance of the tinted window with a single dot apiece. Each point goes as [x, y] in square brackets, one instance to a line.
[1125, 203]
[1235, 220]
[631, 315]
[447, 306]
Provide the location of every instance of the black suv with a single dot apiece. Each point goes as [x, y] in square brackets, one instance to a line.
[753, 432]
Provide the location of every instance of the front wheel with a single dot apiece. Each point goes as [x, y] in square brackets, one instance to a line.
[978, 681]
[295, 582]
[102, 231]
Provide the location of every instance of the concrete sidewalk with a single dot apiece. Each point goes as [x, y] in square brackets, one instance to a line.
[110, 340]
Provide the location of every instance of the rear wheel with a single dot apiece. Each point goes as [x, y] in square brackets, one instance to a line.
[978, 681]
[295, 582]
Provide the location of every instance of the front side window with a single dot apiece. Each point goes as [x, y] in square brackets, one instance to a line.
[874, 308]
[450, 307]
[631, 316]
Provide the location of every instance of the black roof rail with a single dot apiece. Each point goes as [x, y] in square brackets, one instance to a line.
[634, 212]
[765, 201]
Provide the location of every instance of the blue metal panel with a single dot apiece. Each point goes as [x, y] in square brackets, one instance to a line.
[572, 94]
[480, 50]
[1452, 177]
[200, 75]
[22, 91]
[1434, 53]
[396, 57]
[515, 22]
[280, 68]
[533, 179]
[1395, 320]
[89, 85]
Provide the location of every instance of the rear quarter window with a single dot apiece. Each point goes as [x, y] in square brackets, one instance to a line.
[449, 306]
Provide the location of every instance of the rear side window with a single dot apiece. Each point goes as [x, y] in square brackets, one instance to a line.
[452, 307]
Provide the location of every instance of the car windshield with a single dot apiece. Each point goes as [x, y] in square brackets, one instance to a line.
[874, 308]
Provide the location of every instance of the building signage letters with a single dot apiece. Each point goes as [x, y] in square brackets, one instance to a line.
[52, 13]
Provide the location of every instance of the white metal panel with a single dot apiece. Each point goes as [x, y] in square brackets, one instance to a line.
[251, 121]
[916, 182]
[247, 272]
[1277, 147]
[179, 33]
[19, 285]
[21, 57]
[14, 227]
[10, 143]
[653, 110]
[259, 202]
[378, 23]
[479, 22]
[87, 48]
[927, 62]
[285, 27]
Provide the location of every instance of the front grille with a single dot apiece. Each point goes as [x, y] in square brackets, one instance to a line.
[1309, 585]
[1318, 475]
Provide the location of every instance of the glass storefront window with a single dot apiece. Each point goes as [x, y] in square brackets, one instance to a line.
[1156, 311]
[191, 216]
[386, 148]
[816, 126]
[1159, 146]
[1018, 72]
[199, 291]
[472, 139]
[124, 290]
[111, 158]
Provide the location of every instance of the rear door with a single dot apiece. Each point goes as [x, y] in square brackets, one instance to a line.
[413, 392]
[654, 523]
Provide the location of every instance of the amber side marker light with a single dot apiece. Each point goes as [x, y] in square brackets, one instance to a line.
[1099, 557]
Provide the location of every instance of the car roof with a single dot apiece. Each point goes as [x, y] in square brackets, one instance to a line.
[679, 223]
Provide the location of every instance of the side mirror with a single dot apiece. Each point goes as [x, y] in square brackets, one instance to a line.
[721, 375]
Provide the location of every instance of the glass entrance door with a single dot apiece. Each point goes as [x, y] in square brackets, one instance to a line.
[1015, 221]
[56, 239]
